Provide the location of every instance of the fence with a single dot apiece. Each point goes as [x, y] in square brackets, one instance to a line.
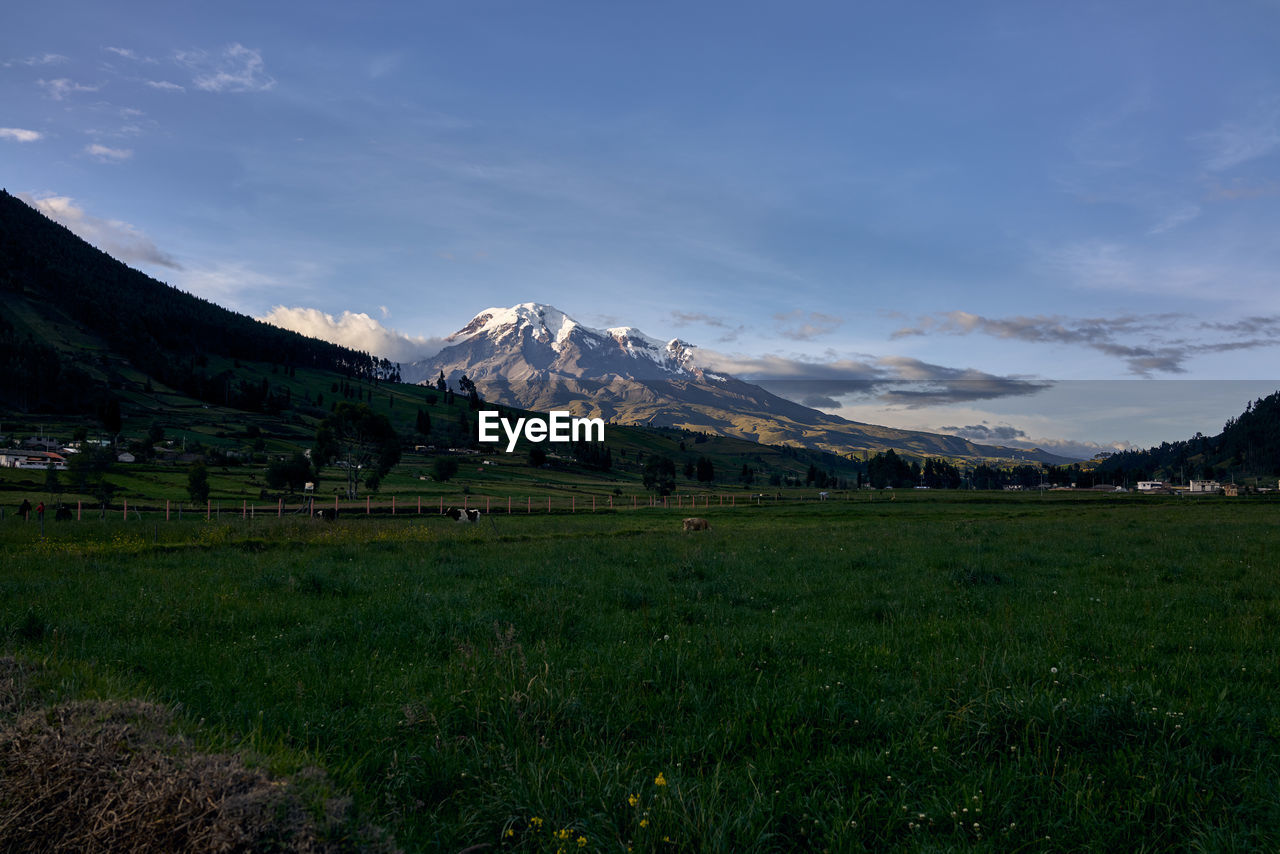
[416, 506]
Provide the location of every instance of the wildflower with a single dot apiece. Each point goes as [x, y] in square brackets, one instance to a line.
[660, 780]
[535, 823]
[633, 800]
[644, 822]
[510, 833]
[1053, 670]
[582, 842]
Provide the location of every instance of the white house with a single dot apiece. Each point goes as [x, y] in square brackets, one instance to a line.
[1151, 485]
[1204, 487]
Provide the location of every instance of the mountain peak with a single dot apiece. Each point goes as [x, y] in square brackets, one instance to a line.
[547, 323]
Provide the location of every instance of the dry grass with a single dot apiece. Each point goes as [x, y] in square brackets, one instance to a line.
[113, 776]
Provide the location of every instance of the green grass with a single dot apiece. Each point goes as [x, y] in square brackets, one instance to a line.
[985, 673]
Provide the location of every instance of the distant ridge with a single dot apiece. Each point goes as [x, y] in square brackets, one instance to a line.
[537, 357]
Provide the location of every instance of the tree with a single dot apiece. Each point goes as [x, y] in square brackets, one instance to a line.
[356, 438]
[111, 419]
[444, 468]
[537, 456]
[198, 483]
[469, 388]
[747, 476]
[52, 483]
[293, 473]
[659, 474]
[706, 470]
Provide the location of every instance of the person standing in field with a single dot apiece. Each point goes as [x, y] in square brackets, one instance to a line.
[40, 511]
[24, 509]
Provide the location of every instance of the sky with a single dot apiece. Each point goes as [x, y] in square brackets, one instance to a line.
[1041, 223]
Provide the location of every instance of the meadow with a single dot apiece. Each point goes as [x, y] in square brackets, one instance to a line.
[976, 672]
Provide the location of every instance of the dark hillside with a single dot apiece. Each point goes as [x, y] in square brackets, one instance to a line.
[1247, 447]
[50, 277]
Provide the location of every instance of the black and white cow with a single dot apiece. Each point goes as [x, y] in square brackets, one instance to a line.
[458, 514]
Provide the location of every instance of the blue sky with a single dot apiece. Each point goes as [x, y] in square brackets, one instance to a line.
[1056, 222]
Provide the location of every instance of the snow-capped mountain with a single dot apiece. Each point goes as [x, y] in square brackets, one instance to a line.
[550, 340]
[537, 357]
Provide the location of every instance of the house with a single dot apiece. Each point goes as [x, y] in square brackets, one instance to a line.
[32, 460]
[1204, 487]
[1152, 485]
[1230, 489]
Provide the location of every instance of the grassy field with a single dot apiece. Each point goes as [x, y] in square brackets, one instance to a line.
[940, 672]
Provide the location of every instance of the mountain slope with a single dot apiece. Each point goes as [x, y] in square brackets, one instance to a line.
[66, 300]
[537, 357]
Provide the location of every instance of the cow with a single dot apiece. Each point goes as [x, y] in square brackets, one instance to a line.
[327, 513]
[693, 523]
[458, 514]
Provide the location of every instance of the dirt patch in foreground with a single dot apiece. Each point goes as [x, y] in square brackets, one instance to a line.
[98, 776]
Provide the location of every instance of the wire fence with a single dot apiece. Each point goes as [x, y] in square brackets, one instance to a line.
[412, 506]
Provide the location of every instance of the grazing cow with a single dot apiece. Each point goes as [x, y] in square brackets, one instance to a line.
[695, 524]
[327, 513]
[62, 514]
[466, 516]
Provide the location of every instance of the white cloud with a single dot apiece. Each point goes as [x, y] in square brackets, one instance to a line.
[20, 135]
[166, 86]
[1180, 215]
[44, 59]
[122, 51]
[806, 325]
[358, 331]
[62, 87]
[1257, 135]
[120, 240]
[236, 69]
[108, 155]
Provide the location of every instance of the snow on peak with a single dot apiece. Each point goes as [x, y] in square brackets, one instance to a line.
[548, 323]
[553, 327]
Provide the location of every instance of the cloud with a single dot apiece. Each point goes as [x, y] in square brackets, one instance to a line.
[984, 432]
[1163, 349]
[893, 380]
[358, 331]
[806, 325]
[122, 51]
[118, 239]
[20, 135]
[1237, 142]
[166, 86]
[107, 155]
[62, 87]
[236, 69]
[688, 318]
[1180, 215]
[44, 59]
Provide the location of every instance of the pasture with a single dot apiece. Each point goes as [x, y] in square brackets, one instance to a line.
[977, 672]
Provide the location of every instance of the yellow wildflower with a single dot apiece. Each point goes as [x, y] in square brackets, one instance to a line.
[660, 780]
[633, 800]
[644, 822]
[582, 842]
